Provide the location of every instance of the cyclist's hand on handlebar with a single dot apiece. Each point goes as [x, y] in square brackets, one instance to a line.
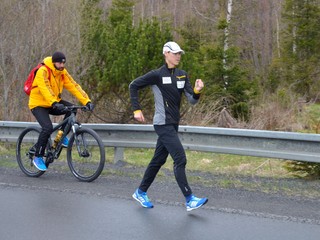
[90, 106]
[59, 107]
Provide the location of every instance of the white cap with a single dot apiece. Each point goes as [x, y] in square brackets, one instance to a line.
[172, 47]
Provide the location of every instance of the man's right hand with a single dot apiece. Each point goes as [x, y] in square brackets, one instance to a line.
[138, 115]
[59, 107]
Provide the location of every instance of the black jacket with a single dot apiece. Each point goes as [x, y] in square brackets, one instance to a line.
[168, 86]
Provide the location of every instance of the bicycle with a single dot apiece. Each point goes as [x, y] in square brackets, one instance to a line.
[85, 151]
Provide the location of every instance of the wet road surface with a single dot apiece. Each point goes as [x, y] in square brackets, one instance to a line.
[59, 207]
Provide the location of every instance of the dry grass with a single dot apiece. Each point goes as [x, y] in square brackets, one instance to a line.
[277, 112]
[216, 163]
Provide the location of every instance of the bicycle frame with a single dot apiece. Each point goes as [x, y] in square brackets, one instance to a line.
[71, 124]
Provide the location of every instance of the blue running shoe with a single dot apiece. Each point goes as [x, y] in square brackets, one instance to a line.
[65, 142]
[142, 198]
[39, 163]
[195, 203]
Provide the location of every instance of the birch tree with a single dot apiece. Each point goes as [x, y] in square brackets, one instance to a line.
[226, 41]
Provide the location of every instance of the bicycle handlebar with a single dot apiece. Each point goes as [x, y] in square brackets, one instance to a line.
[76, 107]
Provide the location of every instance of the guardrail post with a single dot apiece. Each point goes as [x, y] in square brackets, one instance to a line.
[118, 154]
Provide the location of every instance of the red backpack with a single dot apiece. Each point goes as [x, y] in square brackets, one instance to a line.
[28, 83]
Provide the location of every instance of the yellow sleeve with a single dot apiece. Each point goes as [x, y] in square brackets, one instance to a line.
[75, 89]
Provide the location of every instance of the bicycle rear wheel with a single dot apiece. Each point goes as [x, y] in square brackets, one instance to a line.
[25, 150]
[86, 155]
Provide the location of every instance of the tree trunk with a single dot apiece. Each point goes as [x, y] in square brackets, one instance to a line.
[226, 42]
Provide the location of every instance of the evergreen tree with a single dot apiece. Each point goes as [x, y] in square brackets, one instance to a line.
[299, 66]
[209, 60]
[297, 69]
[120, 51]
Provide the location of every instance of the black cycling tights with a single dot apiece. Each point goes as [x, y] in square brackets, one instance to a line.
[168, 143]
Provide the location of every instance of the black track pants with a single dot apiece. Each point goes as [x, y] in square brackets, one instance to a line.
[168, 143]
[43, 117]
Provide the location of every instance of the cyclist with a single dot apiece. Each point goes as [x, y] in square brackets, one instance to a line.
[168, 84]
[45, 99]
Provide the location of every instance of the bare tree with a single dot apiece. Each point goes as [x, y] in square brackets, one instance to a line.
[253, 31]
[31, 30]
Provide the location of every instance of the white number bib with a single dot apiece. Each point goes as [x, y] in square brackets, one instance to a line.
[166, 80]
[180, 84]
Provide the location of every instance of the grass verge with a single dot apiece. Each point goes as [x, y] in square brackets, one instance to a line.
[208, 169]
[216, 163]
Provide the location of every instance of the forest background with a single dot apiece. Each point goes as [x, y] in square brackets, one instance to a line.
[259, 59]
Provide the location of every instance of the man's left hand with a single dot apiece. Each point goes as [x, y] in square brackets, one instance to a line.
[90, 106]
[199, 85]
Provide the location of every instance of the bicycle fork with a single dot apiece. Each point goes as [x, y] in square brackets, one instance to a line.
[80, 142]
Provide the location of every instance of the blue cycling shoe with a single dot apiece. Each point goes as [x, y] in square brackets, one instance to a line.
[39, 163]
[65, 142]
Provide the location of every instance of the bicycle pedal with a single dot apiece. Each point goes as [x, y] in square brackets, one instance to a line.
[85, 154]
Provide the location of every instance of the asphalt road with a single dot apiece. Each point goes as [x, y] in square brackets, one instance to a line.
[57, 206]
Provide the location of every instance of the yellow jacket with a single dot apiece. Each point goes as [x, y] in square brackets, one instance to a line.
[46, 91]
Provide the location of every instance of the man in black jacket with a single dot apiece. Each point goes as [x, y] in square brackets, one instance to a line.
[168, 84]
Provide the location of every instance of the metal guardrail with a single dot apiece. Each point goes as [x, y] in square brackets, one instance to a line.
[271, 144]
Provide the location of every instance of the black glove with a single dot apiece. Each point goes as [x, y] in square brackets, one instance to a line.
[59, 107]
[90, 106]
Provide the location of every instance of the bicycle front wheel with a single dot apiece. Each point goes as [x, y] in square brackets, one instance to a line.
[25, 150]
[86, 155]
